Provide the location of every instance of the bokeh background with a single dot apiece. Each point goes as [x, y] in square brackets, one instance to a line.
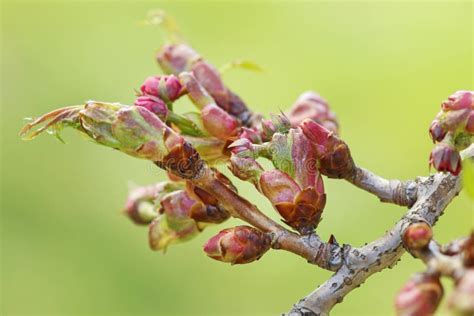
[67, 250]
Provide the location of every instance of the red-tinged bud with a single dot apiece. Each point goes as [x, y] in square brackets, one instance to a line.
[437, 131]
[164, 231]
[154, 105]
[251, 134]
[461, 300]
[300, 209]
[140, 206]
[245, 168]
[445, 158]
[311, 105]
[420, 296]
[176, 58]
[210, 79]
[459, 100]
[241, 244]
[276, 124]
[335, 160]
[468, 251]
[218, 122]
[164, 87]
[470, 123]
[304, 159]
[278, 187]
[417, 236]
[196, 92]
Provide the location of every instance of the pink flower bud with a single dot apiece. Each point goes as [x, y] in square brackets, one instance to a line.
[301, 209]
[461, 300]
[335, 160]
[241, 244]
[251, 134]
[176, 58]
[153, 104]
[140, 207]
[218, 122]
[444, 157]
[210, 79]
[312, 106]
[417, 236]
[459, 100]
[420, 296]
[164, 87]
[437, 131]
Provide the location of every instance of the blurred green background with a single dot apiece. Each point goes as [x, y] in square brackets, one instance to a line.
[67, 249]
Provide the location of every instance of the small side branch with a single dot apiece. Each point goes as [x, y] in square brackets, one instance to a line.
[391, 191]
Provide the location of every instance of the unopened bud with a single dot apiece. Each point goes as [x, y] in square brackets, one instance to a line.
[246, 168]
[300, 208]
[459, 100]
[417, 236]
[241, 244]
[445, 158]
[218, 122]
[176, 58]
[163, 87]
[311, 105]
[335, 160]
[421, 295]
[437, 131]
[461, 300]
[154, 105]
[140, 206]
[163, 232]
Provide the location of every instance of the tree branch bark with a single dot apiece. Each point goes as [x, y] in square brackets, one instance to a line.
[434, 194]
[391, 191]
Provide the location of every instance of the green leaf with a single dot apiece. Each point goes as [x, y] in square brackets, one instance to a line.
[186, 126]
[468, 177]
[242, 64]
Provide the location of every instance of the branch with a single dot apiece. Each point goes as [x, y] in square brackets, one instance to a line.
[311, 247]
[392, 191]
[434, 194]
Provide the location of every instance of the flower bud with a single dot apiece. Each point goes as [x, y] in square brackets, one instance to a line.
[310, 105]
[133, 130]
[300, 208]
[470, 123]
[444, 157]
[140, 206]
[163, 87]
[237, 245]
[461, 300]
[437, 131]
[417, 236]
[335, 160]
[245, 168]
[459, 100]
[163, 232]
[176, 58]
[421, 295]
[218, 122]
[154, 105]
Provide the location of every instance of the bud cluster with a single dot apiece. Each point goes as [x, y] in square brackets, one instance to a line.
[300, 155]
[311, 105]
[174, 211]
[422, 294]
[178, 58]
[452, 130]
